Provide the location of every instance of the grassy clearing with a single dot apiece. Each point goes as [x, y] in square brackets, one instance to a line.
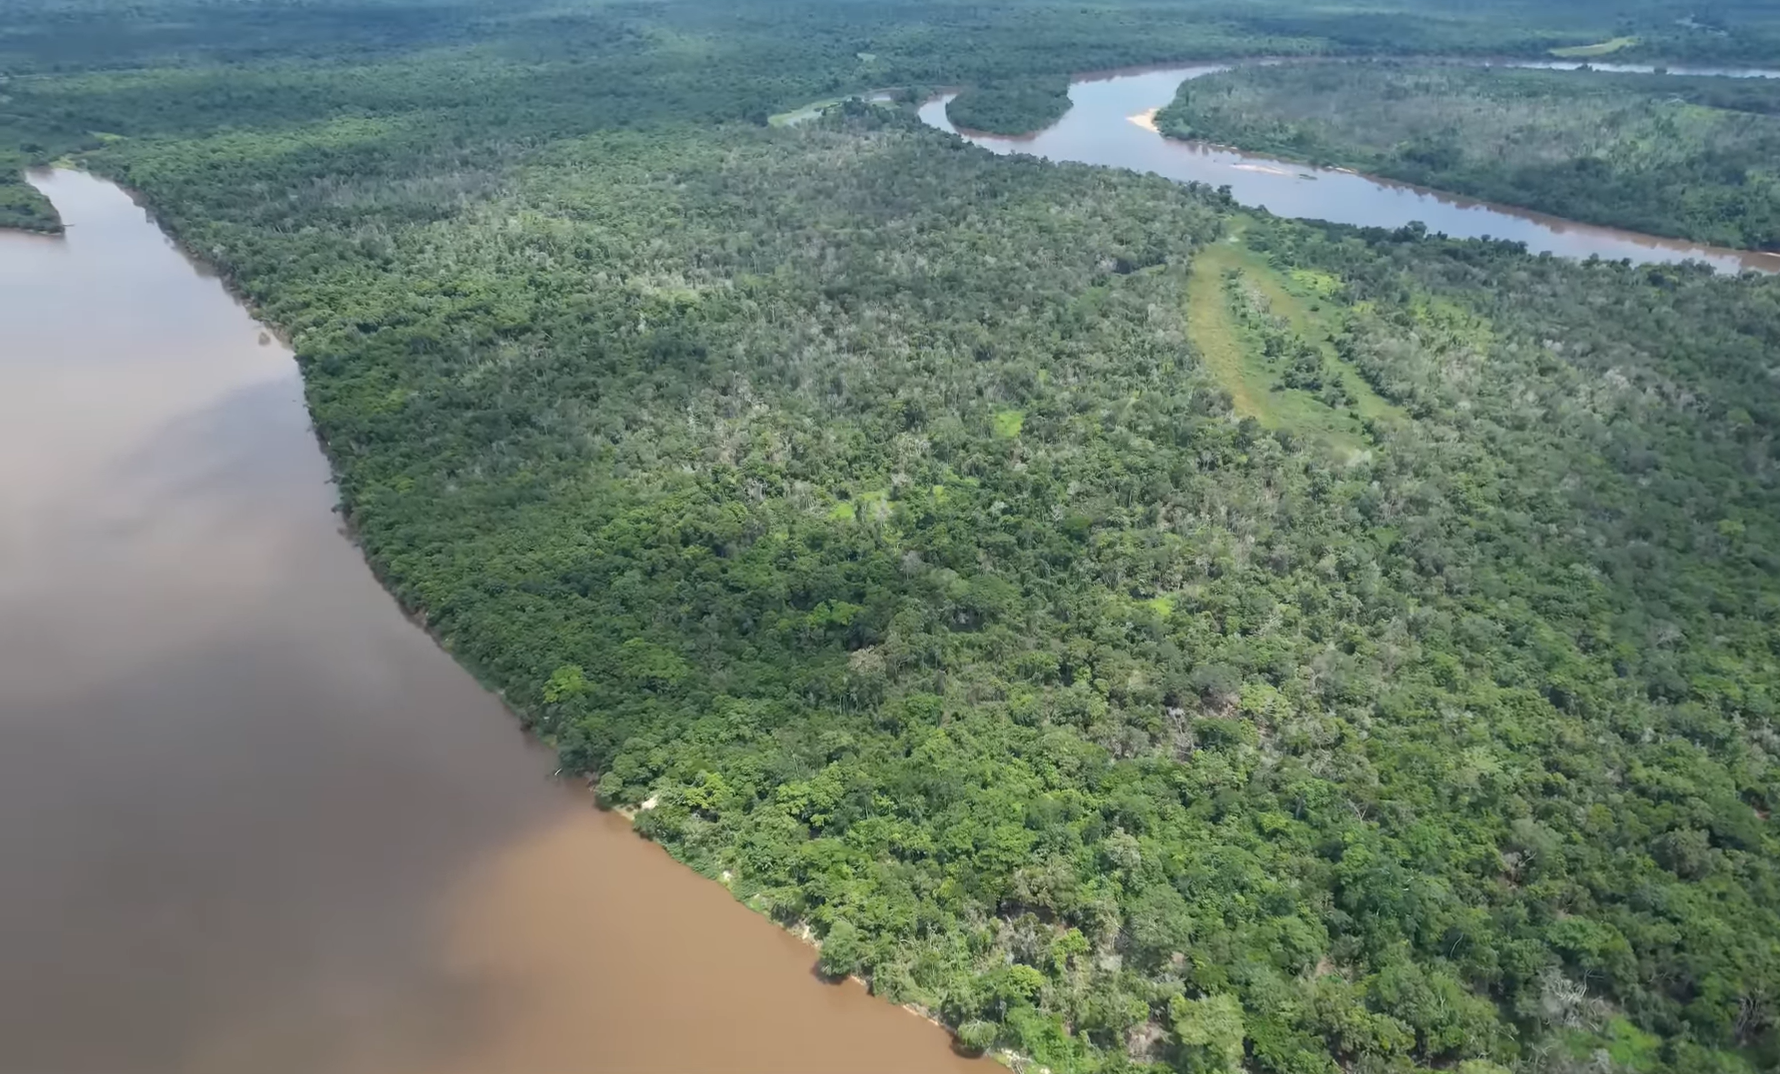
[1300, 299]
[816, 109]
[1214, 332]
[810, 111]
[1237, 362]
[1599, 48]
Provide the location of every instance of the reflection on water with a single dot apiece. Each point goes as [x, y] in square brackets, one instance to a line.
[1111, 124]
[253, 819]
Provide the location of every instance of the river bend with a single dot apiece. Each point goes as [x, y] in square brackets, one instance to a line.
[1110, 124]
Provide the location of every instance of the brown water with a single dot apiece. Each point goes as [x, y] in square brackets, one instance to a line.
[253, 820]
[1108, 125]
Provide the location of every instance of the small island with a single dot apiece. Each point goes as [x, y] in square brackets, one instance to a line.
[1011, 106]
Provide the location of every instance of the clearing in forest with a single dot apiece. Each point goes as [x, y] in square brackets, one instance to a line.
[1599, 48]
[1236, 353]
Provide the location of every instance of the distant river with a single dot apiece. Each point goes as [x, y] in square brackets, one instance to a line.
[1110, 123]
[251, 818]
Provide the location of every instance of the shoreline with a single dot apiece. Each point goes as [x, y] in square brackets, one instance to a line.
[581, 785]
[1730, 261]
[22, 176]
[1147, 120]
[417, 613]
[799, 930]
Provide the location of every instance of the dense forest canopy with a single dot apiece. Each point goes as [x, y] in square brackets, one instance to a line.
[21, 206]
[1696, 158]
[1144, 634]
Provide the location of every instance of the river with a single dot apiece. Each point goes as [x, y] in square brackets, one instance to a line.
[252, 819]
[1109, 124]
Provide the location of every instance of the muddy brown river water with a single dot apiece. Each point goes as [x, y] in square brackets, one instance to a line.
[251, 818]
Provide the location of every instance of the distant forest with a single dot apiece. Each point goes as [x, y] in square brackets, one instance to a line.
[1147, 635]
[1697, 158]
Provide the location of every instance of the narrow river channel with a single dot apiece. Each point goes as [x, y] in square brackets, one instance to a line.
[1110, 124]
[254, 820]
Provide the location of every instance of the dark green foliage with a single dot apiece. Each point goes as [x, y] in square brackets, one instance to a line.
[1010, 106]
[857, 501]
[1420, 759]
[842, 949]
[1690, 157]
[22, 207]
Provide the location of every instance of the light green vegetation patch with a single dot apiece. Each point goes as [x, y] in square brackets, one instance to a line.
[803, 113]
[1327, 399]
[817, 109]
[1321, 284]
[1213, 332]
[1008, 423]
[1442, 746]
[874, 504]
[1627, 1047]
[1315, 320]
[871, 504]
[1599, 48]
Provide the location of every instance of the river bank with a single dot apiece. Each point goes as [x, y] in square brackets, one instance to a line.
[253, 812]
[1669, 155]
[1100, 129]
